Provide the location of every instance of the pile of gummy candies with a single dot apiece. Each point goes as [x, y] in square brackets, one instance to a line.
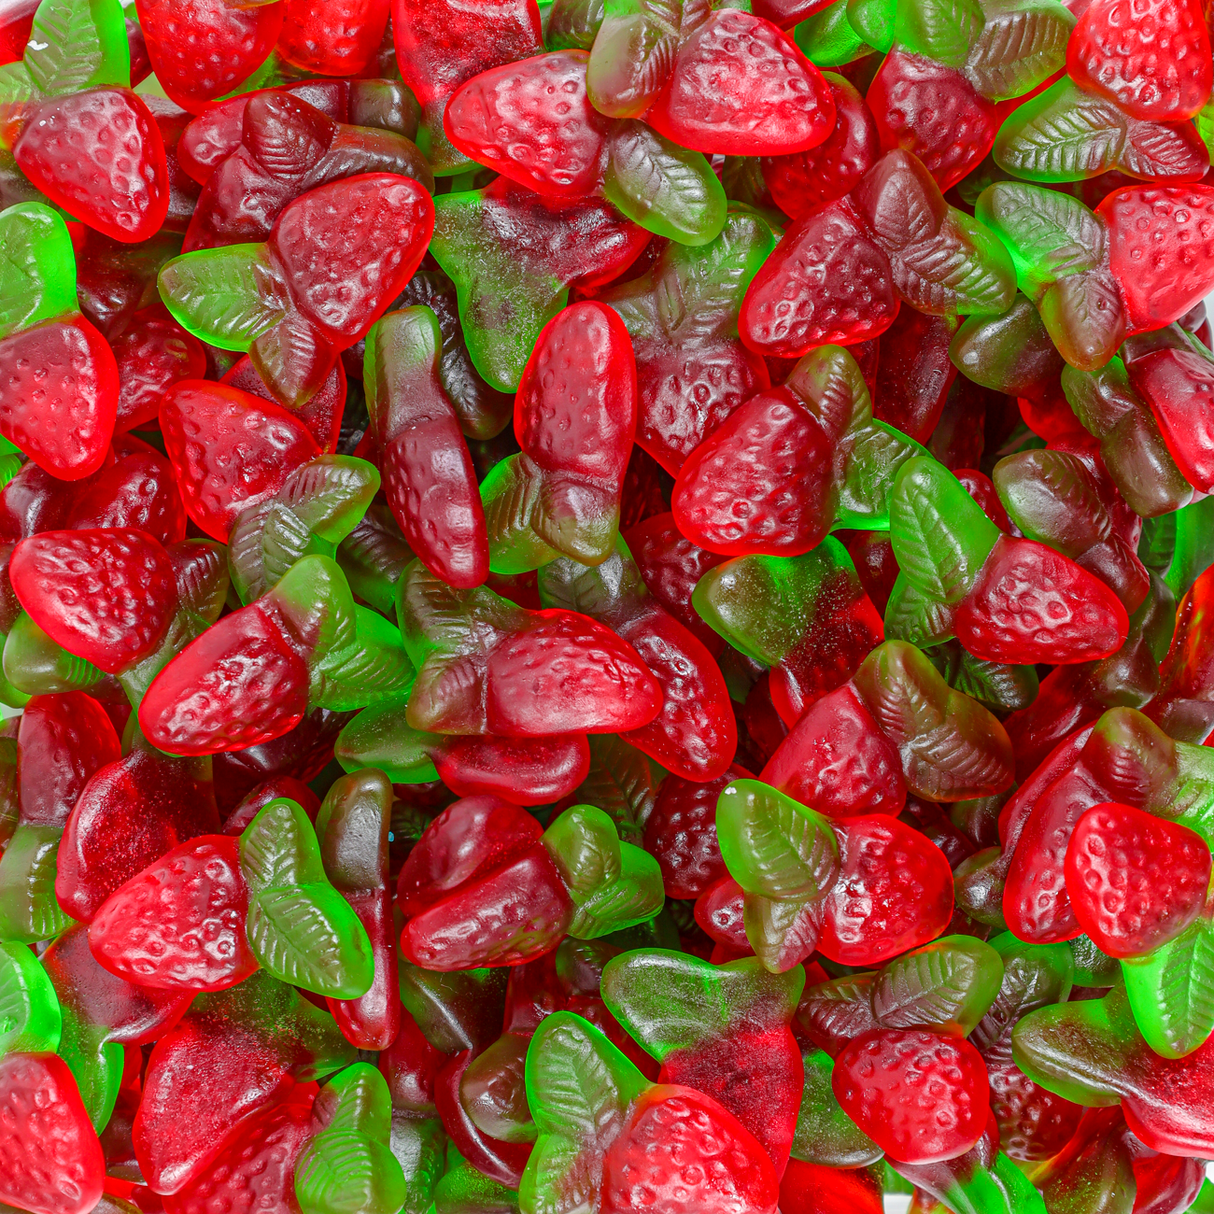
[612, 605]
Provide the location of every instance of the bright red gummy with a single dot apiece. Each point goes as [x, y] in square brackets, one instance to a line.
[894, 892]
[130, 813]
[60, 395]
[105, 595]
[229, 449]
[1135, 881]
[50, 1159]
[237, 685]
[1161, 250]
[255, 1166]
[800, 181]
[1150, 56]
[202, 49]
[762, 482]
[179, 924]
[680, 1149]
[99, 155]
[921, 1096]
[1032, 604]
[741, 87]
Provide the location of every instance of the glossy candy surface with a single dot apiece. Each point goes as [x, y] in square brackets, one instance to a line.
[606, 606]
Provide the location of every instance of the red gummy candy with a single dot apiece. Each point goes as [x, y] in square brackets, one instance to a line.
[179, 924]
[921, 1096]
[106, 596]
[1135, 881]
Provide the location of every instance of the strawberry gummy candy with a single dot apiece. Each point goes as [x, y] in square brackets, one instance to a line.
[608, 605]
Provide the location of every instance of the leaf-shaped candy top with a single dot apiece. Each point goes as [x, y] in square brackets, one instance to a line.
[672, 1001]
[299, 927]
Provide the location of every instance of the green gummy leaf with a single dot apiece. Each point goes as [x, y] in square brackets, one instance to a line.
[633, 898]
[513, 257]
[670, 1001]
[279, 848]
[29, 910]
[829, 383]
[940, 535]
[1049, 234]
[633, 54]
[825, 1134]
[330, 494]
[695, 293]
[1203, 120]
[1080, 1050]
[943, 30]
[620, 782]
[951, 747]
[1084, 316]
[1089, 966]
[578, 1083]
[948, 984]
[985, 283]
[874, 21]
[17, 90]
[738, 599]
[36, 665]
[307, 935]
[585, 848]
[263, 544]
[782, 931]
[226, 297]
[382, 738]
[504, 301]
[1019, 47]
[876, 452]
[299, 927]
[420, 1147]
[464, 1190]
[665, 188]
[37, 267]
[1171, 991]
[510, 496]
[911, 615]
[78, 44]
[345, 1172]
[1063, 134]
[356, 1099]
[561, 1177]
[316, 606]
[1192, 549]
[608, 592]
[828, 39]
[613, 885]
[1161, 149]
[1003, 687]
[773, 845]
[96, 1065]
[30, 1019]
[374, 557]
[1034, 975]
[967, 1184]
[373, 668]
[572, 24]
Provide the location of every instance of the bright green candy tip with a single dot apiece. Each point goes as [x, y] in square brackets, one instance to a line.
[299, 927]
[348, 1167]
[30, 1019]
[774, 846]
